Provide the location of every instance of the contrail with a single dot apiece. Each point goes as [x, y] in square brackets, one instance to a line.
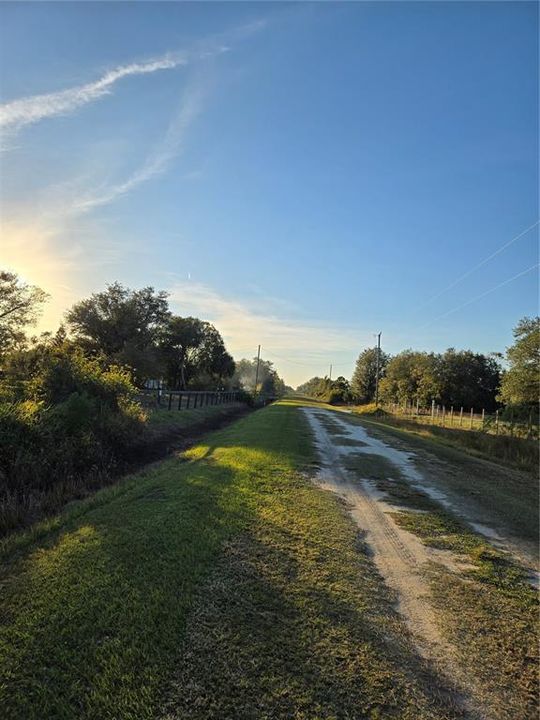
[28, 110]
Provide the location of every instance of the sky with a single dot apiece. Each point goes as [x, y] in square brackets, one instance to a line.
[303, 175]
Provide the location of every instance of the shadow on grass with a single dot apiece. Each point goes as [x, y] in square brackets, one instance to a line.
[286, 630]
[94, 608]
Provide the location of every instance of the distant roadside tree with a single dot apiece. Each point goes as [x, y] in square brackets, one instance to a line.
[191, 348]
[364, 377]
[411, 376]
[469, 379]
[124, 325]
[312, 387]
[268, 380]
[20, 305]
[520, 383]
[459, 378]
[330, 391]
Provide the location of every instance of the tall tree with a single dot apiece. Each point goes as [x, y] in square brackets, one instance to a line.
[268, 380]
[123, 324]
[469, 379]
[520, 383]
[363, 381]
[412, 376]
[20, 305]
[191, 347]
[330, 391]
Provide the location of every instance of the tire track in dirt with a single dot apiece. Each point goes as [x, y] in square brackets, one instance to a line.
[400, 557]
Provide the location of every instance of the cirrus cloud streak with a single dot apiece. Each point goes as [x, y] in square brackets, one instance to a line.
[28, 110]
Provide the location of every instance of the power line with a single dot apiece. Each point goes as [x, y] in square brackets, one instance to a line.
[479, 265]
[482, 295]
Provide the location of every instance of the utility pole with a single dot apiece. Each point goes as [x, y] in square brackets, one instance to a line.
[257, 371]
[377, 370]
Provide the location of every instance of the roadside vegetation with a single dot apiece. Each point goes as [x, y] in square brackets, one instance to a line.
[70, 416]
[333, 392]
[217, 584]
[453, 382]
[458, 379]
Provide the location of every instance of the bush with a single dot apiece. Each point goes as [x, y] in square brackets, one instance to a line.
[74, 418]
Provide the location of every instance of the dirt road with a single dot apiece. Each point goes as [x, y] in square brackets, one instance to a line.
[400, 556]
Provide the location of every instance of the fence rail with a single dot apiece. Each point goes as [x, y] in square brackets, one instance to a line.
[188, 399]
[492, 423]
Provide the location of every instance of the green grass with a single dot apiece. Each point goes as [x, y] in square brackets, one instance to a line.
[158, 418]
[221, 584]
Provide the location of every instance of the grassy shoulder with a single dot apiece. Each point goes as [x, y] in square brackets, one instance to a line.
[161, 418]
[222, 583]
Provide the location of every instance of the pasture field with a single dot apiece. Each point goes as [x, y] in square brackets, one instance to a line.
[225, 583]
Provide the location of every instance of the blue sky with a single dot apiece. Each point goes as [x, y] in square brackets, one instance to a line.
[303, 175]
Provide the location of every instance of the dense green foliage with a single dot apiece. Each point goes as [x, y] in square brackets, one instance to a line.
[409, 375]
[136, 329]
[329, 391]
[68, 411]
[364, 379]
[193, 354]
[63, 415]
[458, 378]
[520, 384]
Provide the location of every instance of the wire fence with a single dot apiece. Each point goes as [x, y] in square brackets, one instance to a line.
[467, 419]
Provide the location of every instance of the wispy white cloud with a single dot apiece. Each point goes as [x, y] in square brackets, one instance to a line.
[298, 349]
[158, 160]
[20, 112]
[28, 110]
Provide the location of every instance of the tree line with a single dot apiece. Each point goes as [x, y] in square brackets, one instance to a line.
[132, 329]
[459, 378]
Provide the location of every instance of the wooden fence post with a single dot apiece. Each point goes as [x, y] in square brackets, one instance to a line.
[496, 422]
[461, 417]
[188, 401]
[472, 417]
[483, 417]
[180, 401]
[451, 415]
[443, 414]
